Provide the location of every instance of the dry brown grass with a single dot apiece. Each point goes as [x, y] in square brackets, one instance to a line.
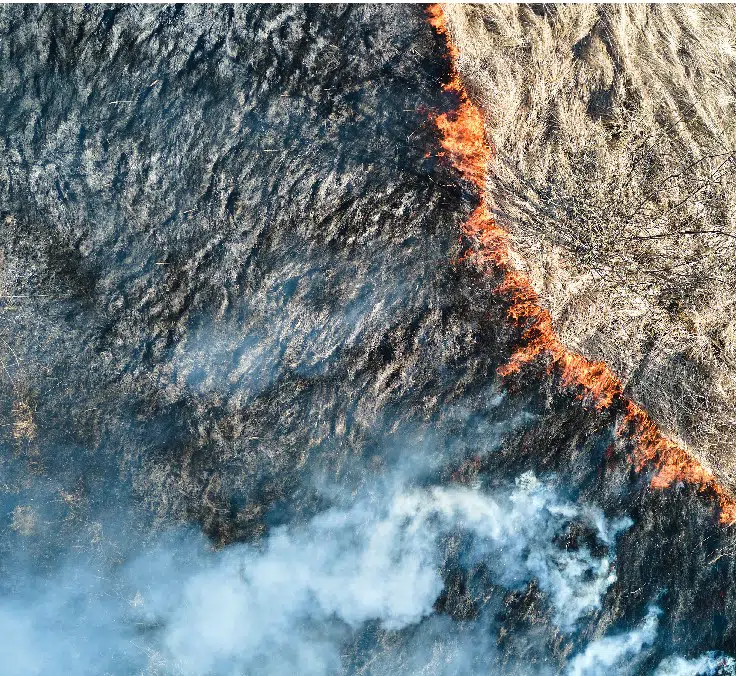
[24, 426]
[615, 129]
[24, 520]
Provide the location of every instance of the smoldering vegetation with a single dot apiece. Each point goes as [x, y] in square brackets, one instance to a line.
[614, 134]
[251, 418]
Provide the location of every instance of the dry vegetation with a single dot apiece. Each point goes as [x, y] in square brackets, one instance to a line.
[24, 425]
[615, 128]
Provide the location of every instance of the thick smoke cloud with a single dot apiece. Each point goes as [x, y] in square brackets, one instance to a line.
[290, 604]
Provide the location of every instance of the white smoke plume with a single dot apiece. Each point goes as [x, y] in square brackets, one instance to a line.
[616, 654]
[291, 604]
[373, 562]
[705, 665]
[622, 654]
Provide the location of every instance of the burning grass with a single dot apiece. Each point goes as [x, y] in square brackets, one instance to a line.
[464, 142]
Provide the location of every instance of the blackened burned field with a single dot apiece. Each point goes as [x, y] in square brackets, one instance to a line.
[251, 416]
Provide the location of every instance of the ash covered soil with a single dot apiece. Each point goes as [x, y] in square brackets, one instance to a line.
[251, 422]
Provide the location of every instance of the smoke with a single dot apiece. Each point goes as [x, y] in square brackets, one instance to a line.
[623, 653]
[620, 651]
[294, 602]
[286, 326]
[706, 665]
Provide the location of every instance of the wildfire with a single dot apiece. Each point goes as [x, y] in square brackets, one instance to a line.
[464, 143]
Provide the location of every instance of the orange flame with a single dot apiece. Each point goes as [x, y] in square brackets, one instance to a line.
[464, 142]
[463, 135]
